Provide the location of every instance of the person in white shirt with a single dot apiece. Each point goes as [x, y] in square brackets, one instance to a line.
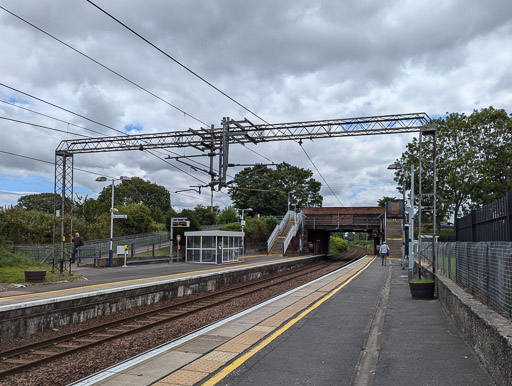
[384, 252]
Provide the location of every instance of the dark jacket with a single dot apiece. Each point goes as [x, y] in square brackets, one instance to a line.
[78, 242]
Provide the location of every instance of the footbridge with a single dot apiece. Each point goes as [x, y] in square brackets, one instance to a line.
[310, 229]
[320, 222]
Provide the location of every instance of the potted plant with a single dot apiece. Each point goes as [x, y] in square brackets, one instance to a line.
[422, 288]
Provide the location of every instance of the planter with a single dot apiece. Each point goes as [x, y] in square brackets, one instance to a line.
[35, 276]
[422, 289]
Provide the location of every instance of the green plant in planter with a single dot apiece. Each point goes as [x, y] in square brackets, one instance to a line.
[421, 281]
[422, 288]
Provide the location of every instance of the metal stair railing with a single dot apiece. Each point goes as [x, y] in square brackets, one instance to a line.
[277, 230]
[298, 218]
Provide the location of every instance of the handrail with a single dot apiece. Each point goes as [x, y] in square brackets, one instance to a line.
[277, 230]
[292, 232]
[299, 219]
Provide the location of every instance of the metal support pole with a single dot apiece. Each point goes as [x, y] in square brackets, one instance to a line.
[434, 198]
[419, 207]
[411, 228]
[403, 217]
[170, 244]
[111, 251]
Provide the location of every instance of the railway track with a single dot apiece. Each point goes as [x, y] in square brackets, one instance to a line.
[22, 358]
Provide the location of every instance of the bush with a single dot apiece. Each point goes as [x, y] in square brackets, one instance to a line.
[271, 222]
[336, 246]
[255, 229]
[9, 259]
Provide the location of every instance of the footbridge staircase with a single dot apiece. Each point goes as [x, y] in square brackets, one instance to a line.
[280, 239]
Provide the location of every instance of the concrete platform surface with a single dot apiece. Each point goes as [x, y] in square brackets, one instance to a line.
[358, 326]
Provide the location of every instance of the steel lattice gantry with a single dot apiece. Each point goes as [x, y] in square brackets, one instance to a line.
[217, 140]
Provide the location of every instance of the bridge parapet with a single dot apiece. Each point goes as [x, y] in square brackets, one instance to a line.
[344, 218]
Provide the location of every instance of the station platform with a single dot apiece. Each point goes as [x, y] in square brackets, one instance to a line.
[357, 326]
[101, 279]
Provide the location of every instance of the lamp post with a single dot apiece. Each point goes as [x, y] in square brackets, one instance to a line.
[112, 210]
[242, 222]
[400, 165]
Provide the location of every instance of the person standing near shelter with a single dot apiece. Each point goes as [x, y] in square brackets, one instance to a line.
[384, 252]
[77, 243]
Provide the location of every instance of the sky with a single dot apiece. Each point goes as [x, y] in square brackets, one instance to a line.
[286, 61]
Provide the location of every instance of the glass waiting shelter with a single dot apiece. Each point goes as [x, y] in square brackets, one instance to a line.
[214, 247]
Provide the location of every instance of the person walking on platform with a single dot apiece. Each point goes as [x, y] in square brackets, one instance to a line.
[77, 243]
[384, 252]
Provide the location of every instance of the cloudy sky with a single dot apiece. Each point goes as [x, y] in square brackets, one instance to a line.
[285, 60]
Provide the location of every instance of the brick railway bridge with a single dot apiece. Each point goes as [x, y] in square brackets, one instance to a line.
[313, 227]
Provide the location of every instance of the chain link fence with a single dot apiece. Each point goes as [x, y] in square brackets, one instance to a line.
[483, 269]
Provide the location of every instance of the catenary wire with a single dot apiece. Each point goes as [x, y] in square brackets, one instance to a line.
[85, 128]
[307, 155]
[181, 65]
[48, 116]
[43, 127]
[102, 65]
[202, 79]
[114, 72]
[48, 162]
[71, 112]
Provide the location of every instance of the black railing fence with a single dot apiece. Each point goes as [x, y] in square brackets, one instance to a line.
[493, 222]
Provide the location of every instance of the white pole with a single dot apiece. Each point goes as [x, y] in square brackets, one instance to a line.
[125, 251]
[111, 252]
[411, 228]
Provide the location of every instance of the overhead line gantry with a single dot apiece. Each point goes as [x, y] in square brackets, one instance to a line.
[216, 141]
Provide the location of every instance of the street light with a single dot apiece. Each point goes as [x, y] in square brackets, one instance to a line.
[112, 210]
[243, 224]
[394, 166]
[291, 191]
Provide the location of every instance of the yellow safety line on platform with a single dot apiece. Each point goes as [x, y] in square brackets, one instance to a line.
[242, 359]
[132, 281]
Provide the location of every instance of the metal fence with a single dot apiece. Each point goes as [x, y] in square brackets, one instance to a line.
[483, 269]
[492, 222]
[148, 242]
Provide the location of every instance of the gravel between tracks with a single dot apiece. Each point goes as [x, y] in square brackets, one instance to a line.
[78, 365]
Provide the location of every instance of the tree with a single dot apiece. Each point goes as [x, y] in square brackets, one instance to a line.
[205, 215]
[382, 201]
[137, 191]
[138, 220]
[43, 202]
[266, 190]
[474, 159]
[227, 215]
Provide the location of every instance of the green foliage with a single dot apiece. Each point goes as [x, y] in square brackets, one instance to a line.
[139, 220]
[382, 201]
[227, 215]
[9, 259]
[43, 202]
[473, 160]
[19, 227]
[205, 215]
[337, 245]
[255, 229]
[271, 222]
[135, 191]
[266, 190]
